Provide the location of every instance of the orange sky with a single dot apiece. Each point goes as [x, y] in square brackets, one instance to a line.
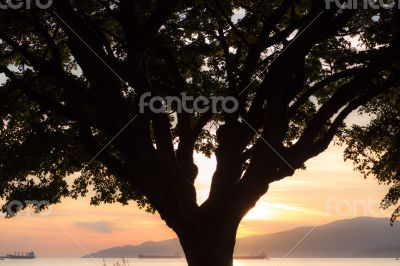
[328, 190]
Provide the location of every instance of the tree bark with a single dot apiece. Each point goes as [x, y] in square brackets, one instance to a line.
[209, 243]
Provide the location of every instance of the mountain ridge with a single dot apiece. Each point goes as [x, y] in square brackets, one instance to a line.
[363, 237]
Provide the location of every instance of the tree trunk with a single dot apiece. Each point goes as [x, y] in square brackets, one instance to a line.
[209, 245]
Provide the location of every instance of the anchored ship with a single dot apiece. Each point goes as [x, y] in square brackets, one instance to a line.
[252, 257]
[175, 256]
[23, 255]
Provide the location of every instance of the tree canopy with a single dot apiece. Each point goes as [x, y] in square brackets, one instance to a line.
[74, 74]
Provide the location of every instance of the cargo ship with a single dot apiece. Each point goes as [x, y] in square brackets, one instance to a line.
[251, 257]
[26, 256]
[175, 256]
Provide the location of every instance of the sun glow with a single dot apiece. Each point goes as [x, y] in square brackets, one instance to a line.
[237, 263]
[262, 211]
[267, 210]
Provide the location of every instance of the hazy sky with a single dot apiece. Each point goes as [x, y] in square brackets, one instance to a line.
[328, 190]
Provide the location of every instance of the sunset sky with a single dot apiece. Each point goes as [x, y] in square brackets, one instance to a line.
[328, 190]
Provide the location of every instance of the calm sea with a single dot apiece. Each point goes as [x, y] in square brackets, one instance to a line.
[181, 262]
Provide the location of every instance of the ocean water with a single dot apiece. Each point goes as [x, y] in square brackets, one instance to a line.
[181, 262]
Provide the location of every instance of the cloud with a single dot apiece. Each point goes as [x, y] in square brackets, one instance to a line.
[98, 226]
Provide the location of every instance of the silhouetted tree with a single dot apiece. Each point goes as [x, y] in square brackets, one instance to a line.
[74, 75]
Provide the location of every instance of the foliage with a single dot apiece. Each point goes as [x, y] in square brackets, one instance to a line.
[297, 69]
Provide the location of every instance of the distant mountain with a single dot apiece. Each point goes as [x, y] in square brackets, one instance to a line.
[389, 252]
[167, 247]
[360, 237]
[343, 239]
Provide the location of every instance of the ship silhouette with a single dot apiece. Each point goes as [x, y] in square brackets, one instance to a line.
[22, 255]
[261, 256]
[175, 256]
